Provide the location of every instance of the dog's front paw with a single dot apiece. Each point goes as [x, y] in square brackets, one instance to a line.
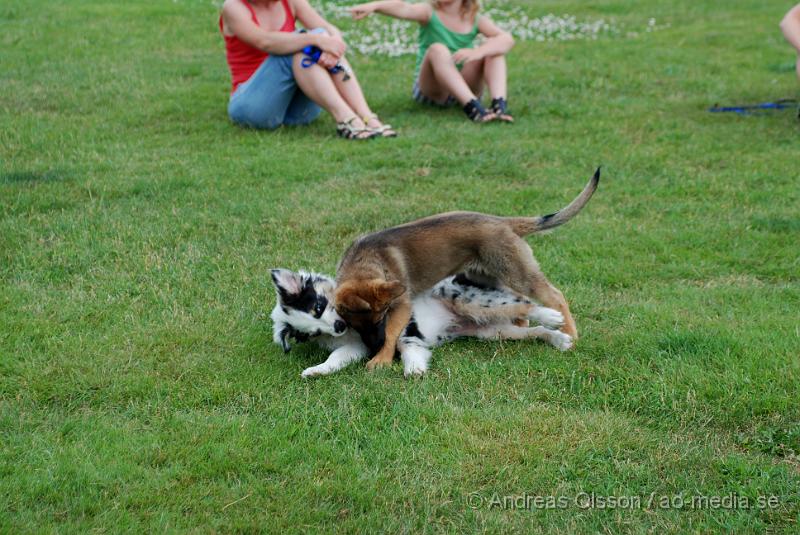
[315, 371]
[375, 363]
[415, 368]
[548, 317]
[561, 340]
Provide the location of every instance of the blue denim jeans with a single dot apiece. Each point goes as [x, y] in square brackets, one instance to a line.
[270, 98]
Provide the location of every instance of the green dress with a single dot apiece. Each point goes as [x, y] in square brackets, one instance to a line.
[436, 32]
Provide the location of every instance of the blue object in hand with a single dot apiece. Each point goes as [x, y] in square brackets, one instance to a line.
[313, 53]
[312, 56]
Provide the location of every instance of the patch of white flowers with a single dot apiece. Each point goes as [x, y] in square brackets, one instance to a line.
[549, 27]
[380, 35]
[385, 36]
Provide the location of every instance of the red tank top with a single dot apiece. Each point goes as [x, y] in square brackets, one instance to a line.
[243, 59]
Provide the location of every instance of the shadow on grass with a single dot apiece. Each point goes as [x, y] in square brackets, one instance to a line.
[52, 175]
[776, 224]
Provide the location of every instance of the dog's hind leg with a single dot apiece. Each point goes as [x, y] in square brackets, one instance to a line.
[511, 260]
[482, 313]
[540, 289]
[516, 313]
[548, 317]
[555, 338]
[551, 297]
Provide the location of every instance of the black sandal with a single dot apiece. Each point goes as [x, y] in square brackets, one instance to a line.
[499, 106]
[476, 112]
[346, 130]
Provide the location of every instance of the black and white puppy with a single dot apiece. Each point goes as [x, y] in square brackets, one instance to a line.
[454, 308]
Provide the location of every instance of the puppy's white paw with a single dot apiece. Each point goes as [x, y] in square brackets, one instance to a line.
[416, 369]
[415, 361]
[547, 317]
[315, 371]
[560, 340]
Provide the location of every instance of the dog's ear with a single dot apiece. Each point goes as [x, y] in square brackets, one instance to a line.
[280, 335]
[348, 300]
[386, 292]
[288, 283]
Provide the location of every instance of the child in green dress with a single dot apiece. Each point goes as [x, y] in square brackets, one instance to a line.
[449, 68]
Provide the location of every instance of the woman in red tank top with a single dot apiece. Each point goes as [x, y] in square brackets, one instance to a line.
[271, 87]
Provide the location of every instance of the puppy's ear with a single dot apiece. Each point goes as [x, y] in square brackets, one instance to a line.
[280, 335]
[288, 283]
[387, 292]
[351, 302]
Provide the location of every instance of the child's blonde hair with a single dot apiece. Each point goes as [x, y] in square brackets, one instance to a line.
[468, 7]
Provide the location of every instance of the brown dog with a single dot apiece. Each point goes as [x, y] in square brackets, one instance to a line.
[381, 272]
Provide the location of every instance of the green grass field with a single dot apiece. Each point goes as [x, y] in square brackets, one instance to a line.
[139, 387]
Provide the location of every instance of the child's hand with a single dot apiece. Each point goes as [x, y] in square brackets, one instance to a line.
[363, 10]
[465, 55]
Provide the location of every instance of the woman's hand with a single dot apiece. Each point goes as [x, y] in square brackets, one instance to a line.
[332, 45]
[363, 10]
[327, 61]
[465, 55]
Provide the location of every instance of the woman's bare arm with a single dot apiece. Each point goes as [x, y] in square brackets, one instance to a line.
[309, 17]
[238, 21]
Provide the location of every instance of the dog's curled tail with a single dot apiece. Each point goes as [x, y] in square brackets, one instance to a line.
[522, 226]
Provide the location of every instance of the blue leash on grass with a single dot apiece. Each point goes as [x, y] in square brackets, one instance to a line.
[755, 108]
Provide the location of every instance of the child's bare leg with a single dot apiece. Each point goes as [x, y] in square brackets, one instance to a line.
[473, 73]
[496, 74]
[439, 77]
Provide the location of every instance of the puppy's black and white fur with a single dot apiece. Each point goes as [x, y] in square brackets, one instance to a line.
[454, 308]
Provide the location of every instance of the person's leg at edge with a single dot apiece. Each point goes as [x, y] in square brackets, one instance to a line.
[797, 66]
